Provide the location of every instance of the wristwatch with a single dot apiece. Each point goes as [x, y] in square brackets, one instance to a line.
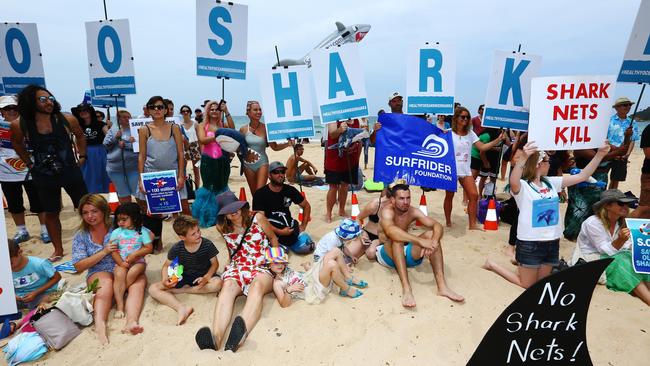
[83, 156]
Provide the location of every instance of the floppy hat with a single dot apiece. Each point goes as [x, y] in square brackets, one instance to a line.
[8, 100]
[622, 100]
[275, 255]
[612, 195]
[394, 95]
[276, 165]
[229, 203]
[348, 229]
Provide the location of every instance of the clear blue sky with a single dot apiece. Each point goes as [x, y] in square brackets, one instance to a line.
[573, 37]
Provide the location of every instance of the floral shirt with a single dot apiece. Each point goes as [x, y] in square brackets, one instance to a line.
[83, 247]
[617, 127]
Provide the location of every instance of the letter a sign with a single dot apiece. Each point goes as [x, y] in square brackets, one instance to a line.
[221, 39]
[507, 103]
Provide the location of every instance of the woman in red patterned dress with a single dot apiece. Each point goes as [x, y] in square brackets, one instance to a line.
[244, 275]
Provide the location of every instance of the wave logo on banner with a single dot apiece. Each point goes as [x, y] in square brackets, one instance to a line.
[412, 149]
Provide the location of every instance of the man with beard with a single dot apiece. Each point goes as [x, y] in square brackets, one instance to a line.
[54, 165]
[401, 249]
[274, 199]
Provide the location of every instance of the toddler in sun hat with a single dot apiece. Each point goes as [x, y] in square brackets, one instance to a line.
[347, 233]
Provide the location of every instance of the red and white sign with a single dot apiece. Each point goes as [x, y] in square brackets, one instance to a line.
[570, 112]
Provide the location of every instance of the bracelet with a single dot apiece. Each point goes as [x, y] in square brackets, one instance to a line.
[227, 115]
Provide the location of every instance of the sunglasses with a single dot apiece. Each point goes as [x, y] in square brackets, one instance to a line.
[278, 171]
[185, 111]
[43, 99]
[624, 105]
[156, 107]
[214, 110]
[622, 204]
[463, 117]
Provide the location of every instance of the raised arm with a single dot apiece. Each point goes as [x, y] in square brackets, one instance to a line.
[570, 180]
[518, 169]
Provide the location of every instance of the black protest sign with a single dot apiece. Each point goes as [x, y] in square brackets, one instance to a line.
[546, 324]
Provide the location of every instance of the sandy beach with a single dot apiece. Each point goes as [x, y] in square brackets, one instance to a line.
[372, 330]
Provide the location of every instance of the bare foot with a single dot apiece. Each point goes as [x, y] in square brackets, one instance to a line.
[328, 218]
[102, 338]
[510, 252]
[476, 227]
[133, 328]
[118, 314]
[451, 295]
[487, 265]
[343, 214]
[408, 301]
[448, 224]
[183, 314]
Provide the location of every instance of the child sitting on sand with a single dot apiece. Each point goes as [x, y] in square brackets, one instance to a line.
[345, 237]
[198, 258]
[133, 242]
[34, 278]
[313, 285]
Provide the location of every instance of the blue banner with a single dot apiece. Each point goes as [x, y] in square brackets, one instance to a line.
[162, 196]
[640, 230]
[104, 101]
[279, 131]
[411, 148]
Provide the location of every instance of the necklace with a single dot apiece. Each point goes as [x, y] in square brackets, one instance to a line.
[251, 129]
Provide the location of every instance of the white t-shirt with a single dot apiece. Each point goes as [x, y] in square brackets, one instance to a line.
[463, 150]
[539, 210]
[327, 243]
[191, 133]
[595, 239]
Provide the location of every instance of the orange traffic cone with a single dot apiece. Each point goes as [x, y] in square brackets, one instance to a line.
[242, 194]
[301, 214]
[491, 222]
[355, 206]
[113, 201]
[423, 208]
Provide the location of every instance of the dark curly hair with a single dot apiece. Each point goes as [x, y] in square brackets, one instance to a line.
[131, 210]
[27, 102]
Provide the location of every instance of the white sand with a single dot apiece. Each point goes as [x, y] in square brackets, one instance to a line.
[374, 329]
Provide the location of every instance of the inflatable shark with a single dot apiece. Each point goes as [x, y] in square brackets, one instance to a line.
[350, 136]
[342, 35]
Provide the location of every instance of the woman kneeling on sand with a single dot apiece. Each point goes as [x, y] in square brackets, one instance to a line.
[91, 251]
[247, 235]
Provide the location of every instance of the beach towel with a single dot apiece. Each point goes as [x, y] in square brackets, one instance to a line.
[25, 347]
[66, 267]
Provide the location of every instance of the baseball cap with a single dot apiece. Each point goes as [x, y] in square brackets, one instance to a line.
[394, 95]
[276, 165]
[8, 100]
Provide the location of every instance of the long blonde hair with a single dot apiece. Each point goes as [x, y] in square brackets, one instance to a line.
[97, 201]
[206, 113]
[530, 168]
[604, 218]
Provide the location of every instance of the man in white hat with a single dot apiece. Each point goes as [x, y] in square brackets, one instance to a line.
[395, 102]
[622, 130]
[12, 176]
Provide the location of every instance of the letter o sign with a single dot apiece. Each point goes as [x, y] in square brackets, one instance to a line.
[108, 32]
[15, 34]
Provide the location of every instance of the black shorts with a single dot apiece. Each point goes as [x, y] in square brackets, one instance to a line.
[351, 176]
[13, 192]
[188, 280]
[475, 163]
[618, 170]
[49, 188]
[371, 236]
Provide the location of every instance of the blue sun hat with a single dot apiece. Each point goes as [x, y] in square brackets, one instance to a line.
[348, 229]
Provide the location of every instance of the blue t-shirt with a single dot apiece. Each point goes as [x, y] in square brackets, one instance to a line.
[616, 130]
[130, 241]
[35, 274]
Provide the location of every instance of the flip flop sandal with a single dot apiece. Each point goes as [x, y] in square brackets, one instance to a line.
[55, 258]
[204, 339]
[359, 284]
[346, 293]
[237, 334]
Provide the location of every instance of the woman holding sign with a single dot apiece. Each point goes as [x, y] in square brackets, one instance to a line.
[464, 138]
[538, 225]
[122, 161]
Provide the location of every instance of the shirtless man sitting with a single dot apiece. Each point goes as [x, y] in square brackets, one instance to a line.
[296, 165]
[401, 249]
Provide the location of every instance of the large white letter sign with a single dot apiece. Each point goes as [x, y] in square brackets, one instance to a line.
[20, 57]
[221, 39]
[286, 100]
[431, 79]
[7, 294]
[340, 86]
[507, 103]
[570, 112]
[636, 63]
[110, 58]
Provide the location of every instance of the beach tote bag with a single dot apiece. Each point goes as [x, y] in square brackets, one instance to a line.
[78, 306]
[56, 329]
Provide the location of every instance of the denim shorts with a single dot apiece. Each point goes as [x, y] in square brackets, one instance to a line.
[123, 189]
[534, 254]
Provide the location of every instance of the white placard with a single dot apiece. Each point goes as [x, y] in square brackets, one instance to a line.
[339, 82]
[636, 63]
[136, 123]
[507, 103]
[221, 39]
[7, 293]
[110, 57]
[431, 79]
[570, 112]
[286, 97]
[21, 63]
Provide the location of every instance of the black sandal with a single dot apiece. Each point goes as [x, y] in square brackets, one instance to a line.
[204, 339]
[237, 334]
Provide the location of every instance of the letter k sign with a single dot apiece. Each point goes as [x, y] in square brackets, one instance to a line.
[511, 82]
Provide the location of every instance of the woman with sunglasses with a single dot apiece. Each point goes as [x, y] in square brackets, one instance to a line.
[604, 235]
[538, 225]
[256, 167]
[161, 148]
[464, 138]
[192, 149]
[94, 170]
